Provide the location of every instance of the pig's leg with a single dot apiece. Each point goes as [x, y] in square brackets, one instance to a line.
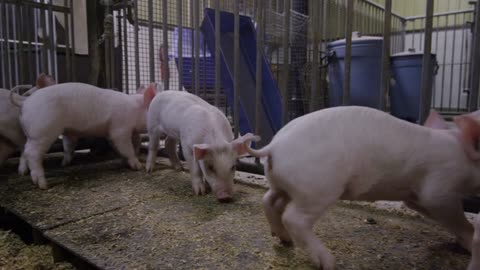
[449, 213]
[298, 220]
[69, 144]
[274, 203]
[153, 141]
[6, 149]
[137, 142]
[23, 166]
[171, 147]
[198, 184]
[34, 151]
[124, 146]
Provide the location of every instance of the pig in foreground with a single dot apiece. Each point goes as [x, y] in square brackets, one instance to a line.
[77, 110]
[12, 137]
[206, 137]
[475, 261]
[358, 153]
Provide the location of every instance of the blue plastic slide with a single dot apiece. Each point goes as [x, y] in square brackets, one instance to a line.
[271, 113]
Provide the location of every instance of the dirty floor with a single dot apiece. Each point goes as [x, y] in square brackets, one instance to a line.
[122, 219]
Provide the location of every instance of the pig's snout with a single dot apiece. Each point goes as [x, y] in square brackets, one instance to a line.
[224, 197]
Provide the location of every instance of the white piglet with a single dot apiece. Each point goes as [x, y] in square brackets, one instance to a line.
[206, 137]
[475, 261]
[77, 110]
[12, 137]
[358, 153]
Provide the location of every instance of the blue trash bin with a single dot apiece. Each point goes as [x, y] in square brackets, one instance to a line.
[405, 91]
[365, 79]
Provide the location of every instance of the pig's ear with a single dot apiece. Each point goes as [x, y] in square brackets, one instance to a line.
[200, 150]
[149, 94]
[240, 144]
[141, 89]
[435, 121]
[44, 80]
[469, 135]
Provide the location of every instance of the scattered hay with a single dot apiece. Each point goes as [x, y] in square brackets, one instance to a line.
[15, 254]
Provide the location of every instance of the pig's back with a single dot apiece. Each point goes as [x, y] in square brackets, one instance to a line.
[180, 112]
[339, 143]
[78, 107]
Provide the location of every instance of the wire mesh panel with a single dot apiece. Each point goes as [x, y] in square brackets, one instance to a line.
[452, 43]
[36, 37]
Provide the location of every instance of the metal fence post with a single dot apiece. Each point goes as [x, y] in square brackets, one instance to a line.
[386, 53]
[196, 46]
[260, 33]
[108, 26]
[165, 45]
[217, 53]
[475, 73]
[236, 60]
[348, 52]
[315, 47]
[151, 41]
[286, 58]
[426, 86]
[180, 44]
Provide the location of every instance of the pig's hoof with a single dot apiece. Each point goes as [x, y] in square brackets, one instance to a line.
[199, 188]
[42, 184]
[22, 170]
[286, 243]
[136, 165]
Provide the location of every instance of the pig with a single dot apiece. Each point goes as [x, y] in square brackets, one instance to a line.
[475, 261]
[76, 110]
[206, 137]
[12, 137]
[359, 153]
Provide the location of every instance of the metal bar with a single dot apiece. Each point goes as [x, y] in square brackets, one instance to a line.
[315, 48]
[339, 16]
[44, 47]
[151, 41]
[14, 38]
[258, 97]
[52, 42]
[137, 54]
[196, 45]
[21, 59]
[410, 18]
[204, 73]
[475, 74]
[371, 3]
[348, 52]
[30, 75]
[67, 45]
[72, 31]
[236, 61]
[452, 60]
[426, 86]
[217, 53]
[435, 50]
[461, 67]
[125, 47]
[165, 45]
[180, 44]
[4, 42]
[7, 48]
[444, 63]
[35, 38]
[286, 58]
[386, 53]
[108, 28]
[38, 5]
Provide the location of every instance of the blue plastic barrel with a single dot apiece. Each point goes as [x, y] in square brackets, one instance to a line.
[365, 79]
[405, 90]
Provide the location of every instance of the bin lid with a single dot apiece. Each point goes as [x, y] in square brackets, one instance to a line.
[409, 54]
[356, 39]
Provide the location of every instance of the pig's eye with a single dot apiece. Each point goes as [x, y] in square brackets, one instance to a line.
[211, 168]
[233, 168]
